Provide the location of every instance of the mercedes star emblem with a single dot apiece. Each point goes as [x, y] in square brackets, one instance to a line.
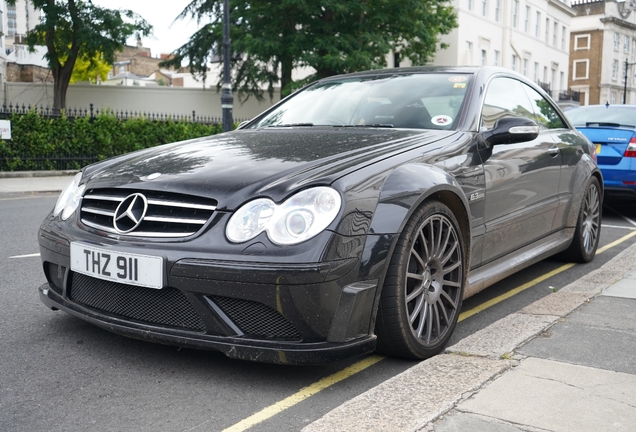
[130, 213]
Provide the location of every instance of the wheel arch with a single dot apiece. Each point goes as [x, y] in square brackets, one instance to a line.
[406, 188]
[425, 183]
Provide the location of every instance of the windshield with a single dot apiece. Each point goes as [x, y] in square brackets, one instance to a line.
[420, 101]
[602, 116]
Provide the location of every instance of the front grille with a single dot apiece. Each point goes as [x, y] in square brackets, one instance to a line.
[257, 319]
[169, 215]
[167, 306]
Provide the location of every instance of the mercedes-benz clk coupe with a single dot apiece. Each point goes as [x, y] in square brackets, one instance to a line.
[354, 215]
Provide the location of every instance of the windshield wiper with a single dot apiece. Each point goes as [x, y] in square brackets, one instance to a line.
[378, 125]
[293, 125]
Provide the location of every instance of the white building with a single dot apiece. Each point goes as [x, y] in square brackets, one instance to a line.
[528, 36]
[20, 18]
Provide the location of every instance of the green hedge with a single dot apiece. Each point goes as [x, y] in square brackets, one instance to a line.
[42, 143]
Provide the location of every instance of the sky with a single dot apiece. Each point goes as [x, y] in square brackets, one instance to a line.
[168, 36]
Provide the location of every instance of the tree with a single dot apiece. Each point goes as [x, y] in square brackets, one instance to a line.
[272, 37]
[76, 29]
[87, 69]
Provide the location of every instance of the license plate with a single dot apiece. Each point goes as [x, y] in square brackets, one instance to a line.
[122, 267]
[598, 148]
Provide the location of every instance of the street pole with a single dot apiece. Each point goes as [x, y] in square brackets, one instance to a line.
[627, 65]
[227, 100]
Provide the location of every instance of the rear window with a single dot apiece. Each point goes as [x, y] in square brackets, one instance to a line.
[602, 116]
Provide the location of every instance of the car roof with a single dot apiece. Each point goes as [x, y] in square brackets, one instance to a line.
[426, 69]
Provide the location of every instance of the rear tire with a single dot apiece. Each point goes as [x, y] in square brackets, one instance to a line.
[423, 289]
[588, 226]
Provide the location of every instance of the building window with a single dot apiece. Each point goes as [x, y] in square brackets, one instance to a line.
[553, 81]
[536, 72]
[515, 13]
[555, 35]
[563, 34]
[615, 70]
[580, 69]
[497, 10]
[613, 98]
[497, 58]
[484, 59]
[469, 52]
[582, 42]
[11, 21]
[537, 27]
[545, 74]
[624, 74]
[527, 22]
[470, 4]
[514, 62]
[617, 42]
[547, 30]
[525, 67]
[484, 7]
[625, 44]
[562, 81]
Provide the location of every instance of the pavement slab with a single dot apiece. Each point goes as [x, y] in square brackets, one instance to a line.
[503, 336]
[407, 402]
[558, 303]
[558, 397]
[602, 334]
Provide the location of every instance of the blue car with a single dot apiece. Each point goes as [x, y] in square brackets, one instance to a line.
[612, 129]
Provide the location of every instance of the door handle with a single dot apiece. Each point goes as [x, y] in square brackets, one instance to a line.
[553, 151]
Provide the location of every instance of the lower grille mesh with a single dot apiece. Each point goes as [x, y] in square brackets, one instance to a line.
[167, 306]
[257, 319]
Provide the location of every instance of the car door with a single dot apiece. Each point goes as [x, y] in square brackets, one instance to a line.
[569, 145]
[522, 180]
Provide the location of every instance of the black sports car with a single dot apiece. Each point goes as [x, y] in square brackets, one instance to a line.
[354, 215]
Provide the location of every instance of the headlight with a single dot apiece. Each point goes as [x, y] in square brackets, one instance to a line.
[300, 218]
[69, 198]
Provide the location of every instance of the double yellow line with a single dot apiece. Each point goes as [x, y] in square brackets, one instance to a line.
[312, 389]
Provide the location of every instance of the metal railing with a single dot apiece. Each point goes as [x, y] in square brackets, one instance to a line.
[92, 112]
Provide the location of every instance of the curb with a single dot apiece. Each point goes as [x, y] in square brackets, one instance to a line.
[26, 174]
[414, 399]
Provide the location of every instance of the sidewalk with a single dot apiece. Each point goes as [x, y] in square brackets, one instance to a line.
[34, 181]
[564, 363]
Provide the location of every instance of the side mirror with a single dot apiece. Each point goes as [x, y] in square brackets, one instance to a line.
[511, 130]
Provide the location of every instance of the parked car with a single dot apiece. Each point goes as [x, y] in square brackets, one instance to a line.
[354, 215]
[612, 129]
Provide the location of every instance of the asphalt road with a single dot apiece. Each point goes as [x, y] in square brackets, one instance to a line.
[58, 373]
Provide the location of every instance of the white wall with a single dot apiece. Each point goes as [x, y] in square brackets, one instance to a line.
[160, 99]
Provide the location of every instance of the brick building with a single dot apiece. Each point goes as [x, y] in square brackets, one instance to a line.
[602, 39]
[137, 60]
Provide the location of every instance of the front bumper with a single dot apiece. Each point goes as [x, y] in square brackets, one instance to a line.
[287, 313]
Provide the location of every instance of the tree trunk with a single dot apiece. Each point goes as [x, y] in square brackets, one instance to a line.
[286, 66]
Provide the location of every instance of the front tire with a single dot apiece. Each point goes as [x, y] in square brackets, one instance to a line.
[423, 289]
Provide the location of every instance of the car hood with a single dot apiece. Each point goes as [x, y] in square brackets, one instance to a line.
[239, 165]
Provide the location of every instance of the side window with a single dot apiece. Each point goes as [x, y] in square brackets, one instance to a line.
[505, 97]
[545, 116]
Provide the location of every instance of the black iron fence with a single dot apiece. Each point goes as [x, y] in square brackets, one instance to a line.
[561, 96]
[92, 112]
